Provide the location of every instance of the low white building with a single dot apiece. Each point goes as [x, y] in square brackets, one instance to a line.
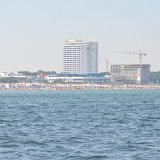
[17, 75]
[4, 74]
[79, 79]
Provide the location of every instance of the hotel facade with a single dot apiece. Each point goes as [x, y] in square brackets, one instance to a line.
[80, 57]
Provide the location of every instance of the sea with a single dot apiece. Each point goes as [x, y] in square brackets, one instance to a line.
[80, 125]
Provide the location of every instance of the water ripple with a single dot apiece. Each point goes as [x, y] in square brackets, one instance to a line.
[80, 125]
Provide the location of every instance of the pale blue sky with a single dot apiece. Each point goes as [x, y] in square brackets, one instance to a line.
[32, 32]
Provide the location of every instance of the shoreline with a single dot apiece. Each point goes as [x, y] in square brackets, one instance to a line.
[42, 86]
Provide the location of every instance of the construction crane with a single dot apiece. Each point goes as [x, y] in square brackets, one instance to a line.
[140, 55]
[106, 63]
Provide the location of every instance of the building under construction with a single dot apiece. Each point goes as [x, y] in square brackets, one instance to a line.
[131, 73]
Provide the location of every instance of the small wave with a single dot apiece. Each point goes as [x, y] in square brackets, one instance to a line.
[97, 157]
[8, 146]
[31, 142]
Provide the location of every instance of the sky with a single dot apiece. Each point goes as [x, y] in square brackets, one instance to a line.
[33, 32]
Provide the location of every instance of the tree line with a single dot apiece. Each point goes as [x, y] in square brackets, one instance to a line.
[28, 73]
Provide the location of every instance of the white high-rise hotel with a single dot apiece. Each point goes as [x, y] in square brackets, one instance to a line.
[80, 57]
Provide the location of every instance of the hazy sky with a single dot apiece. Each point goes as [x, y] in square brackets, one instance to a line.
[32, 32]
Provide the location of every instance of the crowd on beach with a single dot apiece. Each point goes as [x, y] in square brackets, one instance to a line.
[43, 86]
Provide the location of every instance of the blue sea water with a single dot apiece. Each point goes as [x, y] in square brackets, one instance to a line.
[80, 125]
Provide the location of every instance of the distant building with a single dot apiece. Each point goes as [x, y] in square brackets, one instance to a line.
[17, 75]
[12, 74]
[4, 74]
[132, 73]
[80, 57]
[41, 75]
